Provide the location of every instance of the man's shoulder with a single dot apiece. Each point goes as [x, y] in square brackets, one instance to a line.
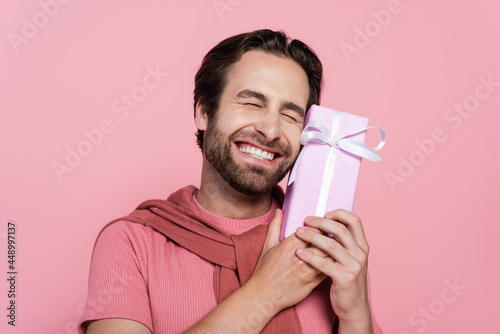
[127, 231]
[124, 226]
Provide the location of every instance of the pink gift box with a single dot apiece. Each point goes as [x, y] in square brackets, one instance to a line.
[326, 176]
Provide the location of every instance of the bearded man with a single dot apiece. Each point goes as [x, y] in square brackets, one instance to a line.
[208, 259]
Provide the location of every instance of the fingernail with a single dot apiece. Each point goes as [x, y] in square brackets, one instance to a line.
[300, 230]
[300, 250]
[308, 219]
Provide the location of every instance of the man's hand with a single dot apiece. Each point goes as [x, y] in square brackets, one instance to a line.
[279, 271]
[280, 280]
[344, 258]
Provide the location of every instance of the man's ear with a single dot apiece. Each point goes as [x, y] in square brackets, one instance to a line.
[201, 117]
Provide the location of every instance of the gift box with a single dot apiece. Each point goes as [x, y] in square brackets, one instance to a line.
[325, 175]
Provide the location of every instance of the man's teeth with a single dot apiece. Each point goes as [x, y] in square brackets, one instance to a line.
[258, 153]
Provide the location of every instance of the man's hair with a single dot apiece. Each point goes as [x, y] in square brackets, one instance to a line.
[211, 78]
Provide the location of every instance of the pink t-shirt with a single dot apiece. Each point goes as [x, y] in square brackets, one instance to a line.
[137, 273]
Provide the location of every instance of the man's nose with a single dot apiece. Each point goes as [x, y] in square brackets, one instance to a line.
[269, 125]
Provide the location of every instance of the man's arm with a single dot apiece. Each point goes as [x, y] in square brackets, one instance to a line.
[118, 294]
[117, 326]
[280, 280]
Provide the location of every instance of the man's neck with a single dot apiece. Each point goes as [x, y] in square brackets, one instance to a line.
[218, 197]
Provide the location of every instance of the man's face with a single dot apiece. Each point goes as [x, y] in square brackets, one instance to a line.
[254, 138]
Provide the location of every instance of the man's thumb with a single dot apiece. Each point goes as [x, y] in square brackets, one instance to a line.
[273, 231]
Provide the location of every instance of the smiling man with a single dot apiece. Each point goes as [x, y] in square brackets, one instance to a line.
[209, 260]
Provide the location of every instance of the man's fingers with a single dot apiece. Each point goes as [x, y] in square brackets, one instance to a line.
[340, 232]
[325, 265]
[317, 251]
[353, 224]
[348, 236]
[330, 247]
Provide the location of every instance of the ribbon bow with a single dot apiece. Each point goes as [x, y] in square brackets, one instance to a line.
[322, 135]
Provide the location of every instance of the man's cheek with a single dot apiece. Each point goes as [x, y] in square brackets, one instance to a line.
[294, 140]
[296, 148]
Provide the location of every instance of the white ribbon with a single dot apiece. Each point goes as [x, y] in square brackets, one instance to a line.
[321, 135]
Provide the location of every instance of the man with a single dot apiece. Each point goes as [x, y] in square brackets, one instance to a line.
[209, 260]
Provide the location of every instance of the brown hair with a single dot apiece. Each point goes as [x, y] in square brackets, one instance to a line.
[210, 79]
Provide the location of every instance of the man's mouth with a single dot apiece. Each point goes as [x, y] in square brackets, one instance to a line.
[256, 152]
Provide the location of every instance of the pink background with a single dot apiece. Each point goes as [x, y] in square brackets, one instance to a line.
[436, 225]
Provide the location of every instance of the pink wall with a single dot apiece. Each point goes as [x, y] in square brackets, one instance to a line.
[430, 208]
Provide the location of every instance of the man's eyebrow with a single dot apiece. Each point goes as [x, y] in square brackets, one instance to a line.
[252, 93]
[294, 107]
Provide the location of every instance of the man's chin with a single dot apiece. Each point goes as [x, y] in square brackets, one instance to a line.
[256, 184]
[251, 190]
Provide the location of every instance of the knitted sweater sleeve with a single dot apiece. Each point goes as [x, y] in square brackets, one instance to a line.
[118, 277]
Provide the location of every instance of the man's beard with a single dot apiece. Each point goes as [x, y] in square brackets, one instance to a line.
[248, 179]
